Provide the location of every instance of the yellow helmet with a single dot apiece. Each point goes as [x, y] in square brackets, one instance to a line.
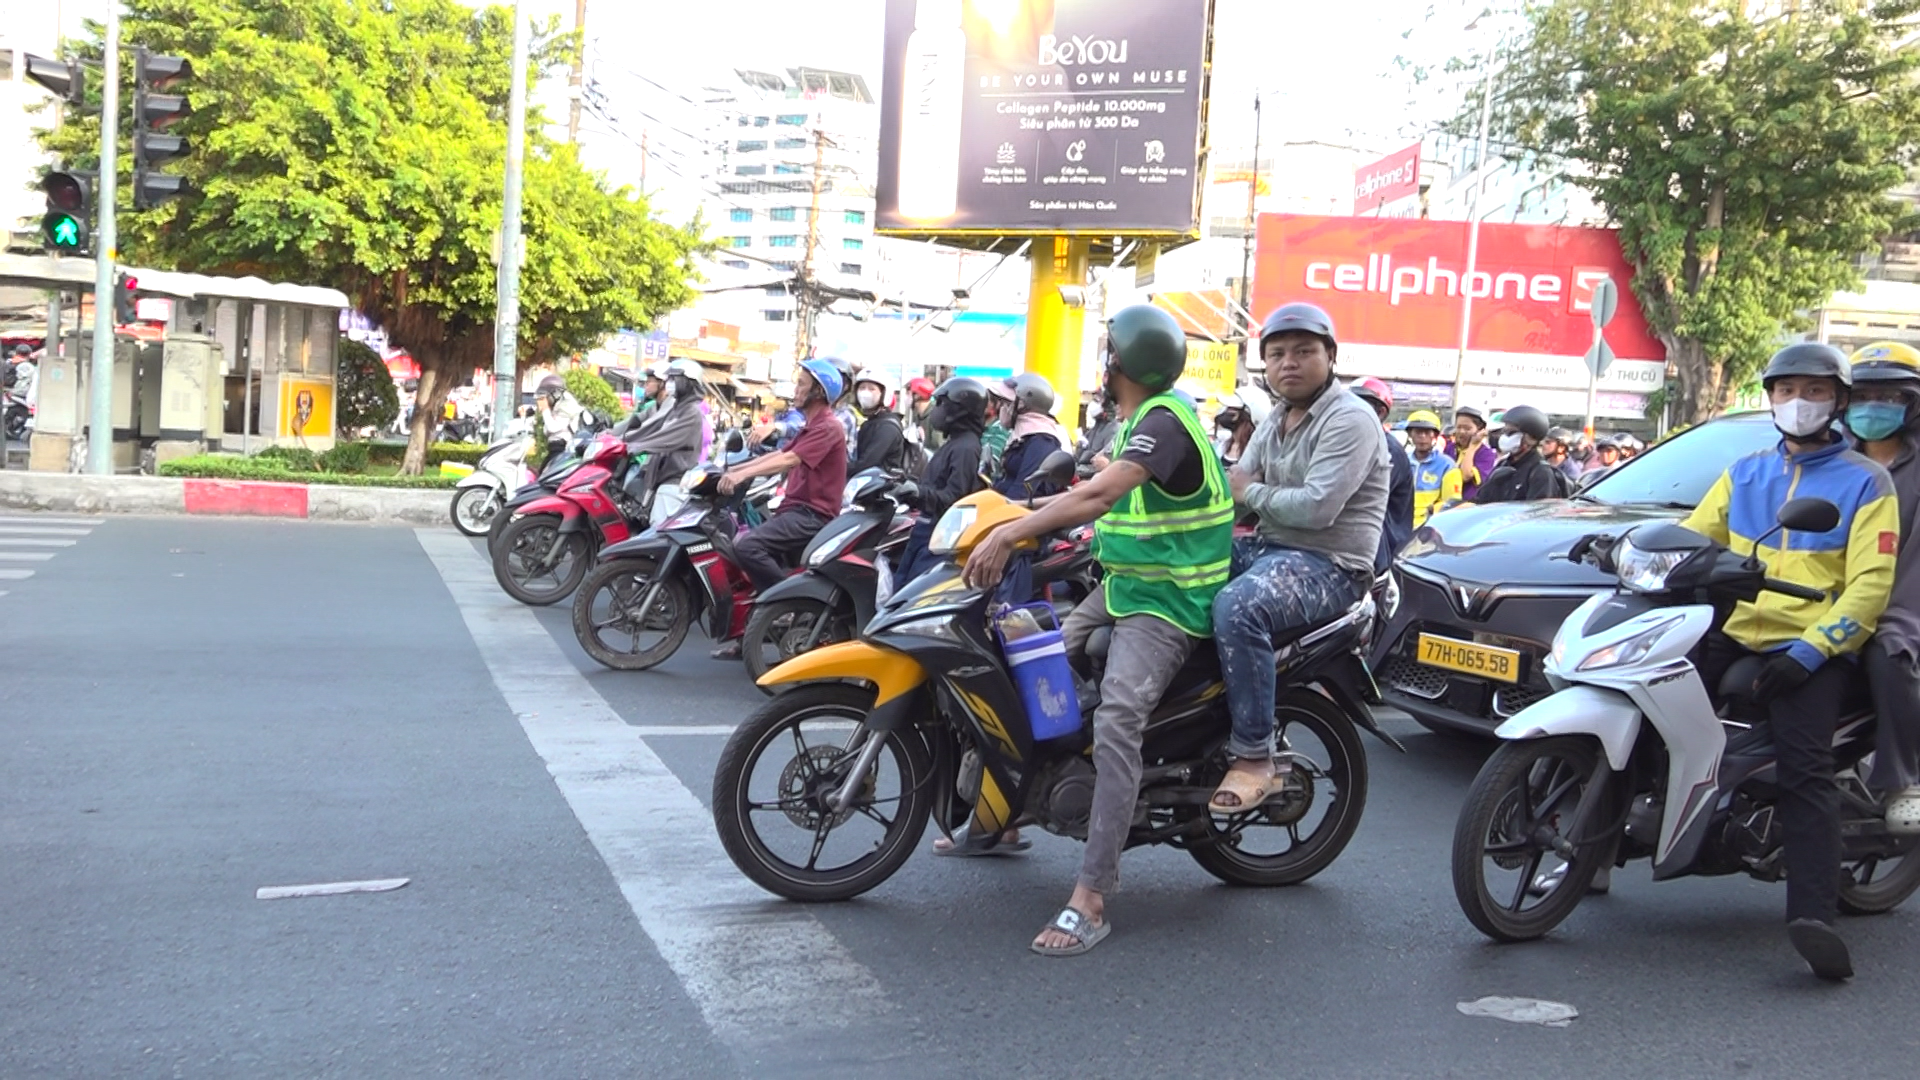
[1423, 419]
[1886, 361]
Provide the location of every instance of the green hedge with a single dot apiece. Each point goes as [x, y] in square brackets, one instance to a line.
[387, 453]
[234, 467]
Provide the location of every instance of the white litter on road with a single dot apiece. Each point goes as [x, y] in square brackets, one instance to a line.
[763, 972]
[335, 888]
[1521, 1010]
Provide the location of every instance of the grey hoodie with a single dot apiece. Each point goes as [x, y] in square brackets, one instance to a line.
[1322, 486]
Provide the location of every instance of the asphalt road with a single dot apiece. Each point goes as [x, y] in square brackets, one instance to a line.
[194, 709]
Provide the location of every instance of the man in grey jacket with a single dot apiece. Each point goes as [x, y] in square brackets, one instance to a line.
[1883, 413]
[1315, 474]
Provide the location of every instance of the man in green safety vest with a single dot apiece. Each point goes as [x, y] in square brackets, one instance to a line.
[1164, 533]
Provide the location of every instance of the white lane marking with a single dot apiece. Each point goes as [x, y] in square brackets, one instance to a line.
[648, 731]
[34, 541]
[26, 556]
[334, 888]
[8, 529]
[15, 575]
[762, 971]
[47, 519]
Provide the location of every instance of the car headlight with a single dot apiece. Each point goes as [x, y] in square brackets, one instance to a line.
[1645, 571]
[946, 534]
[1630, 651]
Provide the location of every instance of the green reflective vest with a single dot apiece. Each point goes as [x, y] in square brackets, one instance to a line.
[1167, 555]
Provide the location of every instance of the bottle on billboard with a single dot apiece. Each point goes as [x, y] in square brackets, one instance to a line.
[930, 112]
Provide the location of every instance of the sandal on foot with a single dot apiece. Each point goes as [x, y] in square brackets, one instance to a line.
[977, 846]
[1248, 791]
[1074, 923]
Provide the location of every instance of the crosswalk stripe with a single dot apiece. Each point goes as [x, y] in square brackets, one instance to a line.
[34, 541]
[771, 981]
[15, 575]
[9, 529]
[26, 556]
[47, 519]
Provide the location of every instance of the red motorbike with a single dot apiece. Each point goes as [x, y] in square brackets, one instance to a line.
[549, 544]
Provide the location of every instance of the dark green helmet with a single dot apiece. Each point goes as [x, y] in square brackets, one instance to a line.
[1147, 345]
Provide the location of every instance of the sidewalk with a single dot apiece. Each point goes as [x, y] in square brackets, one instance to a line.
[70, 493]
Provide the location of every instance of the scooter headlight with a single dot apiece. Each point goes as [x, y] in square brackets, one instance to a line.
[1631, 651]
[1646, 571]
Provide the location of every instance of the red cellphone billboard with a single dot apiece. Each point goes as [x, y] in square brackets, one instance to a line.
[1388, 180]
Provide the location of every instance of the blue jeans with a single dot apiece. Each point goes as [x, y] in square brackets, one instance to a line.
[1275, 594]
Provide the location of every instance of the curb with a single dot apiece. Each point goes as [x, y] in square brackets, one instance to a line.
[72, 493]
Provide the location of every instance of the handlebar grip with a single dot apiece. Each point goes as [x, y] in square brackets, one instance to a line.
[1790, 589]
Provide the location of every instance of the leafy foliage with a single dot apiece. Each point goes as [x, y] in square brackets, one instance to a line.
[592, 391]
[1746, 157]
[346, 457]
[362, 146]
[363, 393]
[380, 453]
[235, 467]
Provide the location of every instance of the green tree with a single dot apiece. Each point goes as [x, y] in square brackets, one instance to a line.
[362, 145]
[363, 390]
[593, 392]
[1747, 160]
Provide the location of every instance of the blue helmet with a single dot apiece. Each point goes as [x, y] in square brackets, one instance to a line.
[827, 374]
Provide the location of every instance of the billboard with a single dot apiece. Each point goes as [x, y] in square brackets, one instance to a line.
[1042, 116]
[1389, 180]
[1395, 287]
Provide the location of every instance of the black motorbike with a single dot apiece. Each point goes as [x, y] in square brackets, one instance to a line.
[825, 791]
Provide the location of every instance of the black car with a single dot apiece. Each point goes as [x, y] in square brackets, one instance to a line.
[1483, 589]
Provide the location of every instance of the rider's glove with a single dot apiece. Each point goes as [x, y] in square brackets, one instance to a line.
[1782, 674]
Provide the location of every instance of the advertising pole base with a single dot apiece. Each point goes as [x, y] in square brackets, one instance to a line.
[1054, 327]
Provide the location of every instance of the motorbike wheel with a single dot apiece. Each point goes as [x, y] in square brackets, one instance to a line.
[1873, 887]
[497, 526]
[612, 632]
[1329, 773]
[524, 544]
[777, 632]
[474, 509]
[16, 424]
[1524, 796]
[779, 770]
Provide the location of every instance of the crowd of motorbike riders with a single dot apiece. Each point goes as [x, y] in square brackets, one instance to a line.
[1307, 461]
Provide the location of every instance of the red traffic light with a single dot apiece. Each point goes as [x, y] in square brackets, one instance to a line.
[132, 283]
[152, 71]
[65, 191]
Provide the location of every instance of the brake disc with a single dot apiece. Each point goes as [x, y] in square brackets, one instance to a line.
[807, 783]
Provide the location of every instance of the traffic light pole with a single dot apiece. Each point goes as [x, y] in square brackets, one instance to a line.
[506, 320]
[100, 372]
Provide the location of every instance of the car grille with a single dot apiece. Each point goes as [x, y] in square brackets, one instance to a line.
[1413, 678]
[1510, 700]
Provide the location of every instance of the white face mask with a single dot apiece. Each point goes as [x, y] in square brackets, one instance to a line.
[869, 399]
[1799, 418]
[1510, 442]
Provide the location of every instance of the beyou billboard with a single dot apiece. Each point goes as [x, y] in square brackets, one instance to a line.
[1042, 116]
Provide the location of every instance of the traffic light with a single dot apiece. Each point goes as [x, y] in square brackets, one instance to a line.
[64, 228]
[123, 297]
[152, 114]
[66, 81]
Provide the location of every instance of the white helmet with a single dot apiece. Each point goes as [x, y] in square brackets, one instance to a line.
[690, 368]
[659, 371]
[878, 378]
[1251, 398]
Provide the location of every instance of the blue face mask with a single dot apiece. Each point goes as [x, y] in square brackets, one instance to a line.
[1873, 420]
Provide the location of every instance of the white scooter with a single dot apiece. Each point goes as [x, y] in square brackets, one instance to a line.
[500, 472]
[1629, 759]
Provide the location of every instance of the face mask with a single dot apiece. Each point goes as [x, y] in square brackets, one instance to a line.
[1799, 418]
[1876, 419]
[869, 400]
[1510, 442]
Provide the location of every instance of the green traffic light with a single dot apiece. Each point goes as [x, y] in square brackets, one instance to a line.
[63, 231]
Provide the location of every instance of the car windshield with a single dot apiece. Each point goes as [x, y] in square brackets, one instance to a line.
[1678, 472]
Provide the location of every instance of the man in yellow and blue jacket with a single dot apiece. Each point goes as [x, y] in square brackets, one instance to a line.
[1810, 645]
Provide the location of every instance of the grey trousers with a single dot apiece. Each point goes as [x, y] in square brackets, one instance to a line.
[1146, 654]
[1895, 679]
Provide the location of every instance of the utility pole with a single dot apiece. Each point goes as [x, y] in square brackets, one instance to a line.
[1253, 191]
[803, 341]
[643, 161]
[100, 372]
[577, 77]
[506, 320]
[1473, 222]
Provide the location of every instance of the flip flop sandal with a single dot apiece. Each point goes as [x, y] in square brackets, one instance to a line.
[1249, 791]
[1074, 923]
[982, 847]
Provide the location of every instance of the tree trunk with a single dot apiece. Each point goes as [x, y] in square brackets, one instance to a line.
[435, 385]
[1703, 391]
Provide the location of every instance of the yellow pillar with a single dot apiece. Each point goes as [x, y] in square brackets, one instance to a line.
[1054, 329]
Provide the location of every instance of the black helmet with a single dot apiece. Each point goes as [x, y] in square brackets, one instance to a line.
[1808, 358]
[552, 387]
[965, 394]
[1527, 420]
[1147, 345]
[1032, 393]
[1300, 317]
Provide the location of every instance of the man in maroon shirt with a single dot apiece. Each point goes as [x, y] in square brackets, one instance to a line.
[817, 459]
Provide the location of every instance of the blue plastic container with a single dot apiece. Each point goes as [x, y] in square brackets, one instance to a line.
[1038, 663]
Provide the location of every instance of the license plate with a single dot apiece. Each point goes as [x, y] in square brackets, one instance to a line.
[1464, 656]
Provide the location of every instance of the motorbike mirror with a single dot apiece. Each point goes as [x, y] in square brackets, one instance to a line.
[736, 442]
[588, 419]
[1808, 515]
[1056, 469]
